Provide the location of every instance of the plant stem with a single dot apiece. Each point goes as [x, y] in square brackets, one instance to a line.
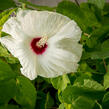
[76, 1]
[105, 65]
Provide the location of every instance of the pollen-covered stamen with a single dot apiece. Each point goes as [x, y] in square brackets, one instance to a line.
[42, 41]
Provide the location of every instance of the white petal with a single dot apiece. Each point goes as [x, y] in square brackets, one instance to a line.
[71, 46]
[27, 59]
[13, 27]
[21, 14]
[23, 52]
[70, 30]
[55, 62]
[9, 43]
[42, 23]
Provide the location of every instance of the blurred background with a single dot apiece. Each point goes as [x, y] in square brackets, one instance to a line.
[52, 2]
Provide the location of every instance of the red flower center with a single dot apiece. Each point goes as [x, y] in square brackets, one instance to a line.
[38, 49]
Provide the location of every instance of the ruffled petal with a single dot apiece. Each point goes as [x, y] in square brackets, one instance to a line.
[13, 27]
[68, 31]
[42, 23]
[27, 59]
[9, 43]
[23, 52]
[56, 61]
[70, 45]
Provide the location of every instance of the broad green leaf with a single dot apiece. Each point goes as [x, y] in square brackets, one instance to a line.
[71, 93]
[97, 36]
[106, 78]
[26, 93]
[88, 88]
[79, 103]
[82, 15]
[6, 72]
[102, 53]
[96, 48]
[60, 82]
[99, 3]
[98, 54]
[85, 68]
[105, 45]
[9, 107]
[83, 103]
[90, 16]
[89, 84]
[71, 10]
[5, 4]
[7, 90]
[105, 101]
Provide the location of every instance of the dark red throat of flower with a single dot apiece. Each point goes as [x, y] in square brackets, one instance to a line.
[38, 50]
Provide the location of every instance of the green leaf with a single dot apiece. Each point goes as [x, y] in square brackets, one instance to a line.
[105, 45]
[106, 79]
[65, 106]
[83, 103]
[89, 84]
[102, 53]
[90, 16]
[85, 68]
[88, 88]
[82, 15]
[80, 103]
[61, 106]
[7, 90]
[7, 82]
[97, 36]
[5, 15]
[4, 34]
[26, 93]
[6, 72]
[5, 4]
[105, 101]
[96, 48]
[49, 101]
[98, 54]
[71, 10]
[9, 107]
[99, 3]
[60, 82]
[41, 99]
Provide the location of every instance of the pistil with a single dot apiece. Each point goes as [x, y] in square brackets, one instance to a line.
[42, 42]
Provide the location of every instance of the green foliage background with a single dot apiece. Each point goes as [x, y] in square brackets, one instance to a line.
[86, 89]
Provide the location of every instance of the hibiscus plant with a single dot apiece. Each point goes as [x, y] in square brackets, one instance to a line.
[54, 57]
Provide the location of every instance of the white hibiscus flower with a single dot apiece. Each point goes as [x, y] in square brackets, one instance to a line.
[46, 43]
